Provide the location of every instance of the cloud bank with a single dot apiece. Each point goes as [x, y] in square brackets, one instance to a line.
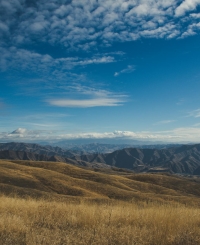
[192, 134]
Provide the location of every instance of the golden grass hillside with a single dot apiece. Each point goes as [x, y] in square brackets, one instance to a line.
[63, 181]
[48, 203]
[37, 222]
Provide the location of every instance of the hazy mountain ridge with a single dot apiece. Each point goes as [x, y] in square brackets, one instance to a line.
[180, 159]
[70, 150]
[184, 159]
[38, 149]
[109, 148]
[22, 155]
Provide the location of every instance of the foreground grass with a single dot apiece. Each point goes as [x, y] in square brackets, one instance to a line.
[31, 222]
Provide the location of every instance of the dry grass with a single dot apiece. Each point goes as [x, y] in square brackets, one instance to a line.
[61, 181]
[44, 203]
[34, 222]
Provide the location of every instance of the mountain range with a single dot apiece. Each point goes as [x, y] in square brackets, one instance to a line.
[69, 150]
[183, 159]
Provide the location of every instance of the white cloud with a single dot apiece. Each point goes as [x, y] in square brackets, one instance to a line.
[37, 26]
[164, 122]
[186, 6]
[85, 103]
[93, 92]
[29, 60]
[20, 131]
[3, 27]
[194, 113]
[129, 69]
[188, 33]
[101, 60]
[187, 134]
[196, 16]
[86, 24]
[191, 30]
[88, 96]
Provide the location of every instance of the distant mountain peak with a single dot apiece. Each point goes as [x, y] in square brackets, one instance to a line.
[19, 131]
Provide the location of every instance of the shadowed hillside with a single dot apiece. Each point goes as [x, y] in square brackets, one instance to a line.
[38, 149]
[23, 155]
[68, 150]
[184, 159]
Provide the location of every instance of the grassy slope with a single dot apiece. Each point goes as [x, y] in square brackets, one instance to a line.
[31, 222]
[74, 206]
[60, 181]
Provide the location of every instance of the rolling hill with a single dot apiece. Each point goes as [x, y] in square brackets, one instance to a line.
[60, 181]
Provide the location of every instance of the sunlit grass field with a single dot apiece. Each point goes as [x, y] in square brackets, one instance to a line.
[24, 221]
[57, 203]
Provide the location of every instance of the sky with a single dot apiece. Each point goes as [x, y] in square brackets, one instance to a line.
[94, 69]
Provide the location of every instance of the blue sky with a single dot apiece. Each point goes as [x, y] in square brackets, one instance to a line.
[93, 69]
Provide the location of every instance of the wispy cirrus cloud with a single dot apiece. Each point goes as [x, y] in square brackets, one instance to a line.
[129, 69]
[101, 60]
[90, 97]
[164, 122]
[85, 103]
[196, 125]
[56, 75]
[180, 102]
[30, 60]
[194, 113]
